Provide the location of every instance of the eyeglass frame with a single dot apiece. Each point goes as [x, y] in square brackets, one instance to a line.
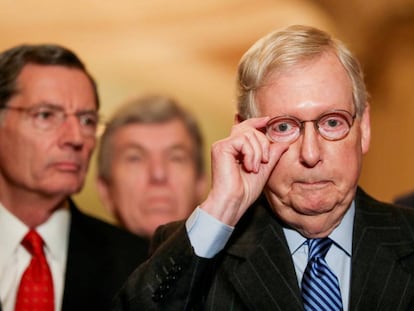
[350, 121]
[33, 112]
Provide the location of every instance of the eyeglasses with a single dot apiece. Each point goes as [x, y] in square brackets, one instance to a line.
[50, 117]
[332, 125]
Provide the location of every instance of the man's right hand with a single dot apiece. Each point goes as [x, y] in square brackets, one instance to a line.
[241, 166]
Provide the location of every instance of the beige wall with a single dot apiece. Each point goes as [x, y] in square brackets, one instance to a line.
[190, 49]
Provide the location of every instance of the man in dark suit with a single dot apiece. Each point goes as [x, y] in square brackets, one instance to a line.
[48, 120]
[313, 240]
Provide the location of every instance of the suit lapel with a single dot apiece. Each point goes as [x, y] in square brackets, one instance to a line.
[83, 271]
[262, 270]
[380, 272]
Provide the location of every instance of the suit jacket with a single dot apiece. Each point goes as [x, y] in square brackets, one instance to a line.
[406, 199]
[100, 257]
[255, 270]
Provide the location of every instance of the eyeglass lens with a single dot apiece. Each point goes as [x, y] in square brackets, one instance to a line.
[332, 125]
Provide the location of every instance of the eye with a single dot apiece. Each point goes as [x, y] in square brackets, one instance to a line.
[283, 129]
[89, 120]
[179, 157]
[283, 126]
[133, 155]
[133, 158]
[333, 122]
[179, 154]
[45, 114]
[334, 126]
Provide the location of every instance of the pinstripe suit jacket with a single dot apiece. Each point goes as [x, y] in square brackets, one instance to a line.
[255, 270]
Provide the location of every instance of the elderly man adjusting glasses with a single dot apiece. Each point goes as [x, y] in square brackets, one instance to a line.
[285, 226]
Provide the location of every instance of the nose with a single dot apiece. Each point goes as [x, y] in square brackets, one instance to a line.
[310, 153]
[158, 170]
[71, 132]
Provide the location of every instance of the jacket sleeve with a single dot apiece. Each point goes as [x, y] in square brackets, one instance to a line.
[171, 279]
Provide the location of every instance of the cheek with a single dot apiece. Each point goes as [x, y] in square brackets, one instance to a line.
[349, 162]
[284, 171]
[130, 183]
[183, 179]
[89, 148]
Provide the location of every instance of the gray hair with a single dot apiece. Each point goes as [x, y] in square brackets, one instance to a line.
[283, 49]
[13, 60]
[148, 110]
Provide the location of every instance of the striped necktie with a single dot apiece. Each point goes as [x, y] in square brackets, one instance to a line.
[320, 287]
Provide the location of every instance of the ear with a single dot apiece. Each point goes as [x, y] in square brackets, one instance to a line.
[104, 194]
[365, 129]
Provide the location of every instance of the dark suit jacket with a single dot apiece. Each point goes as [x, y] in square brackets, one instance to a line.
[255, 270]
[100, 257]
[406, 199]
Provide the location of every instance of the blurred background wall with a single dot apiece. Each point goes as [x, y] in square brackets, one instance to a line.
[190, 50]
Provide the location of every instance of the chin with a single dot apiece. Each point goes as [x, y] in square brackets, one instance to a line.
[314, 209]
[63, 189]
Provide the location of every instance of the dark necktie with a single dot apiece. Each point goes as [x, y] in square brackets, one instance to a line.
[320, 287]
[36, 286]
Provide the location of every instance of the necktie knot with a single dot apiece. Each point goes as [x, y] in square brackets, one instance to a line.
[33, 242]
[318, 247]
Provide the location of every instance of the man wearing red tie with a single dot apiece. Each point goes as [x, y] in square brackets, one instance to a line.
[53, 257]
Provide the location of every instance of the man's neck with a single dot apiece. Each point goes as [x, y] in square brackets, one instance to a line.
[31, 208]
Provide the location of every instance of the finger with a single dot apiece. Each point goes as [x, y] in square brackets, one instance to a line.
[257, 123]
[261, 146]
[258, 142]
[249, 152]
[276, 151]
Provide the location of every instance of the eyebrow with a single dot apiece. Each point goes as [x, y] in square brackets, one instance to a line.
[59, 107]
[140, 148]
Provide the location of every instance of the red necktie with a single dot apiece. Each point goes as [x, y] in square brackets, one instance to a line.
[35, 292]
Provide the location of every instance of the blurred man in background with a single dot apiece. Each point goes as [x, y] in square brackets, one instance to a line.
[150, 164]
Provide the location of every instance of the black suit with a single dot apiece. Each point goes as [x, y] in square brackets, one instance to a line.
[255, 270]
[406, 199]
[100, 257]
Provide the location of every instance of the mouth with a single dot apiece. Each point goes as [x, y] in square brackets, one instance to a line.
[67, 166]
[313, 185]
[159, 201]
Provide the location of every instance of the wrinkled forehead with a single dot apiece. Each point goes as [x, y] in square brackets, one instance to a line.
[69, 88]
[322, 82]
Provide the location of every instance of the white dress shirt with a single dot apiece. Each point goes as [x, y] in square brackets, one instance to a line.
[14, 258]
[208, 236]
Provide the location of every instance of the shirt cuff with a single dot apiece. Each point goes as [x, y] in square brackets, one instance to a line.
[208, 236]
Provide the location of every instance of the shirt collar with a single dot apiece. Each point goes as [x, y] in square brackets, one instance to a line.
[12, 231]
[341, 235]
[55, 233]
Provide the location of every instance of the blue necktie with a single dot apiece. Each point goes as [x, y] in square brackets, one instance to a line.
[320, 287]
